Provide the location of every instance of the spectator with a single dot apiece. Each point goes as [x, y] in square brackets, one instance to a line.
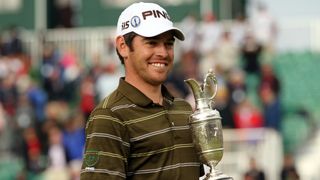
[226, 52]
[65, 11]
[107, 81]
[2, 119]
[289, 171]
[264, 29]
[87, 96]
[12, 45]
[254, 173]
[209, 33]
[246, 115]
[73, 142]
[56, 156]
[15, 43]
[250, 54]
[9, 93]
[38, 99]
[32, 151]
[271, 109]
[190, 26]
[222, 104]
[51, 72]
[269, 79]
[96, 67]
[4, 129]
[71, 71]
[24, 115]
[186, 68]
[2, 45]
[238, 29]
[237, 87]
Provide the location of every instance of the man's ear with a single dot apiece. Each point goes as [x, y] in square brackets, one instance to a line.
[122, 47]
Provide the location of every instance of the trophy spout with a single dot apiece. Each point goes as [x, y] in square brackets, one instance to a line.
[198, 93]
[195, 87]
[204, 93]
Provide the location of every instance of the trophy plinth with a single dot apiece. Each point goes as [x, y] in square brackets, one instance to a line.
[217, 175]
[206, 126]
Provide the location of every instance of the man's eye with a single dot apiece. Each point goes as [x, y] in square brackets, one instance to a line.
[151, 42]
[170, 43]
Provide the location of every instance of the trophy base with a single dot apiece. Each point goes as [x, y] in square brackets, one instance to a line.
[217, 175]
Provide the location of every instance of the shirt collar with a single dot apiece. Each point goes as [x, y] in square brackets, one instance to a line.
[140, 99]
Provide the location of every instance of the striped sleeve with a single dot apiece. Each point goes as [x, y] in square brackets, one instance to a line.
[107, 147]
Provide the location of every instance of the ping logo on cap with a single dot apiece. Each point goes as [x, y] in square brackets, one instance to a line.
[136, 21]
[156, 14]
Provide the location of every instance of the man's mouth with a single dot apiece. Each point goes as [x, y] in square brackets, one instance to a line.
[159, 64]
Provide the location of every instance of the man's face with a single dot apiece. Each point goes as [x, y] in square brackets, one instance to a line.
[150, 59]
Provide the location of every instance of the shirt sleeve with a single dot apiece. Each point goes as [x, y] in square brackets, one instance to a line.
[107, 147]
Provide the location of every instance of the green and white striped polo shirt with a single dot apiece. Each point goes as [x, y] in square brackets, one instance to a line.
[130, 137]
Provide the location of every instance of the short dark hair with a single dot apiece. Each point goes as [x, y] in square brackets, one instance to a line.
[128, 38]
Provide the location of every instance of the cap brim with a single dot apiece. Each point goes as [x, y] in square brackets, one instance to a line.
[178, 33]
[155, 31]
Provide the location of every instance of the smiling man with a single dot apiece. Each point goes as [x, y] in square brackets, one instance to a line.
[140, 131]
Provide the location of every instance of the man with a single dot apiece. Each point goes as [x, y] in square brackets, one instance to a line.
[140, 131]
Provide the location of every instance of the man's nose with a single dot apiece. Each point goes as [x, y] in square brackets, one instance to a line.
[162, 50]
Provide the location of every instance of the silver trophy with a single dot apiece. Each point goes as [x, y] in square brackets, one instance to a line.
[206, 125]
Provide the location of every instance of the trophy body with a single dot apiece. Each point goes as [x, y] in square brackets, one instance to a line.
[206, 127]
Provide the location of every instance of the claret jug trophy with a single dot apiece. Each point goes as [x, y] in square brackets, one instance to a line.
[206, 125]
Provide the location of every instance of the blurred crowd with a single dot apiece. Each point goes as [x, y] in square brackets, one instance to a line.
[241, 57]
[43, 110]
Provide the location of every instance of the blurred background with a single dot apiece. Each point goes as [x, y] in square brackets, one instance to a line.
[58, 60]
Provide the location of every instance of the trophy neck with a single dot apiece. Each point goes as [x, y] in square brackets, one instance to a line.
[201, 104]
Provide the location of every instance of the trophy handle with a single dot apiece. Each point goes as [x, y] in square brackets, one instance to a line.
[210, 85]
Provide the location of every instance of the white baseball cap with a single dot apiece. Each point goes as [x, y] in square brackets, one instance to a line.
[146, 19]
